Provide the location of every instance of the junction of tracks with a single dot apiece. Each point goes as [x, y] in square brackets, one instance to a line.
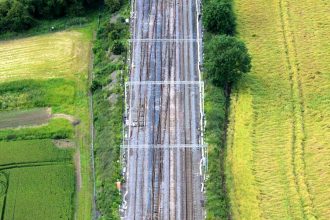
[163, 152]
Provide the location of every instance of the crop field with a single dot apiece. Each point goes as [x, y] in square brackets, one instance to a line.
[61, 54]
[278, 149]
[43, 85]
[36, 169]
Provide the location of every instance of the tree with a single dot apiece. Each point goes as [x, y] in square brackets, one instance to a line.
[219, 18]
[18, 17]
[227, 59]
[118, 47]
[113, 5]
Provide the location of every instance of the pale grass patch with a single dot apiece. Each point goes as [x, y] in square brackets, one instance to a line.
[241, 181]
[61, 54]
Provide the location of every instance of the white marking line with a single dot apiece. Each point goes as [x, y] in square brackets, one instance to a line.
[164, 83]
[168, 40]
[163, 146]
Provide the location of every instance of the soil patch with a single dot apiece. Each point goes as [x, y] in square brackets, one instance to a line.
[64, 143]
[31, 117]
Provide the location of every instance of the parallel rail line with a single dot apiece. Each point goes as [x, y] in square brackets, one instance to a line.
[163, 150]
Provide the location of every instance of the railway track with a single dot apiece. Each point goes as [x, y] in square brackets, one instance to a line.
[163, 146]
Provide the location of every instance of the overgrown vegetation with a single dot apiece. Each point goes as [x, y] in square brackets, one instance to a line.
[226, 60]
[107, 88]
[215, 110]
[20, 15]
[114, 5]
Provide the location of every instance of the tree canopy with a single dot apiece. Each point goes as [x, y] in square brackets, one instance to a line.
[19, 15]
[219, 18]
[113, 5]
[227, 59]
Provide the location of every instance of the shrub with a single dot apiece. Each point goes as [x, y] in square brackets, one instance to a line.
[118, 48]
[227, 59]
[113, 5]
[219, 18]
[96, 84]
[14, 16]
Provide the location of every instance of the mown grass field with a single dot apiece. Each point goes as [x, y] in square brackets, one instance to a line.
[61, 54]
[46, 71]
[278, 151]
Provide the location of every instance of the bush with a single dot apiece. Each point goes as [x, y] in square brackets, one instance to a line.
[118, 48]
[219, 17]
[226, 60]
[113, 5]
[108, 116]
[14, 16]
[96, 84]
[20, 15]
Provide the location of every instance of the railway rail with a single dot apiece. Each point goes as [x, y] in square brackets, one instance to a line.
[163, 152]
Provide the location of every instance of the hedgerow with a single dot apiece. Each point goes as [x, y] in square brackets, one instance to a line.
[226, 59]
[107, 89]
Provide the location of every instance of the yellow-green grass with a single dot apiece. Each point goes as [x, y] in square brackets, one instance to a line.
[61, 54]
[65, 56]
[278, 153]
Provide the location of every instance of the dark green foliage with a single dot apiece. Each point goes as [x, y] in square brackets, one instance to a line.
[113, 5]
[215, 109]
[20, 15]
[219, 18]
[96, 85]
[227, 59]
[118, 47]
[14, 16]
[108, 116]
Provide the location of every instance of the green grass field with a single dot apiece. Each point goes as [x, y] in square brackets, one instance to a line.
[36, 169]
[59, 94]
[30, 197]
[46, 71]
[14, 152]
[278, 150]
